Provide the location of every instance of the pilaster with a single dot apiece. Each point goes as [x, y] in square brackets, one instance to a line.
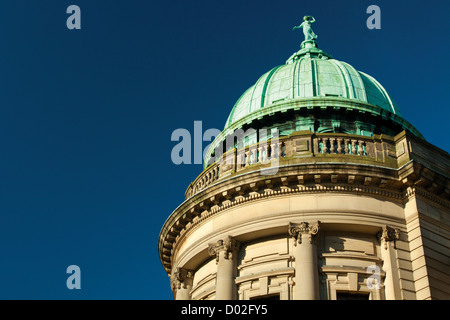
[388, 237]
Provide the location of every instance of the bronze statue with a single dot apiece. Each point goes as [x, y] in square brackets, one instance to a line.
[307, 30]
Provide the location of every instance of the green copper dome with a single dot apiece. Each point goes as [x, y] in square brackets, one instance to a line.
[307, 74]
[313, 92]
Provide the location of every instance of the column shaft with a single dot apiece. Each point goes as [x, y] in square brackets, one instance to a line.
[225, 285]
[305, 255]
[306, 273]
[226, 258]
[182, 283]
[183, 293]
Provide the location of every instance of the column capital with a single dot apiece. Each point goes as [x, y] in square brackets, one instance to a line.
[388, 234]
[181, 277]
[228, 245]
[297, 229]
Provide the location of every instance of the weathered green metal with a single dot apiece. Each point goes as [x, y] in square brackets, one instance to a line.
[307, 30]
[307, 74]
[312, 79]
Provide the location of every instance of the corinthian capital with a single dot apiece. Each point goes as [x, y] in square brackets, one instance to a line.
[308, 228]
[181, 277]
[228, 245]
[388, 234]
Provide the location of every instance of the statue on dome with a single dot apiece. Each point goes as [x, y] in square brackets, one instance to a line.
[307, 30]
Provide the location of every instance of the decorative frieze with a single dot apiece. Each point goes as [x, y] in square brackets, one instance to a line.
[413, 191]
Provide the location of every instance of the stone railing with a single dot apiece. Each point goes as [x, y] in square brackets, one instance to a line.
[342, 145]
[301, 147]
[206, 178]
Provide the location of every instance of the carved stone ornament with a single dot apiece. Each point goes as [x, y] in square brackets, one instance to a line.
[388, 234]
[228, 245]
[181, 277]
[296, 230]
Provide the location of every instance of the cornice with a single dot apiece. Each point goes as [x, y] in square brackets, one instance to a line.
[197, 212]
[393, 184]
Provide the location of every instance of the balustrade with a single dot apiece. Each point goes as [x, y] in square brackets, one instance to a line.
[340, 145]
[261, 153]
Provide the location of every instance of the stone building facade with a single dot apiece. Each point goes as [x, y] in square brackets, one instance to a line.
[345, 201]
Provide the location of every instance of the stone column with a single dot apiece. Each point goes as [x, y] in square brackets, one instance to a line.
[225, 252]
[182, 283]
[388, 236]
[305, 254]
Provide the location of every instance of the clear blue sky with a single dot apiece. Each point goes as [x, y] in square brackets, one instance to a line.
[86, 117]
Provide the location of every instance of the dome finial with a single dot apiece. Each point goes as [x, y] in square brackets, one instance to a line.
[308, 47]
[310, 36]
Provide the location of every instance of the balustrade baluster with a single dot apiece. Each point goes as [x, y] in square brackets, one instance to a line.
[360, 148]
[353, 151]
[325, 146]
[274, 147]
[339, 145]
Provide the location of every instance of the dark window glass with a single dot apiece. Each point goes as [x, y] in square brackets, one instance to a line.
[351, 296]
[268, 297]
